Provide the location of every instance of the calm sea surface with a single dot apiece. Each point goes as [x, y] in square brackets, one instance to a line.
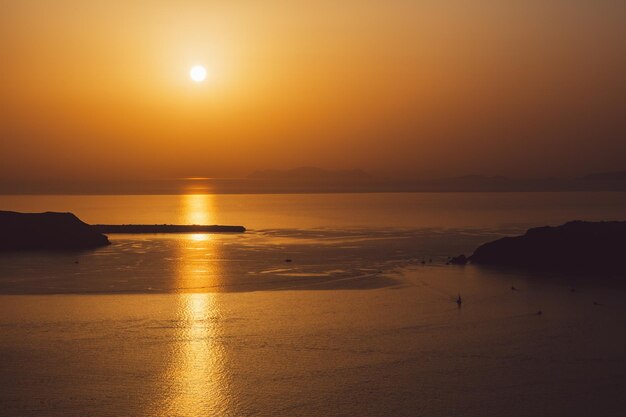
[305, 211]
[362, 321]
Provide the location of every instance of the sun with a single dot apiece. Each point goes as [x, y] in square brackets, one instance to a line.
[197, 73]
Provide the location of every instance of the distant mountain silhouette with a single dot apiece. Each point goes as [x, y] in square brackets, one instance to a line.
[311, 174]
[606, 176]
[311, 179]
[47, 231]
[318, 180]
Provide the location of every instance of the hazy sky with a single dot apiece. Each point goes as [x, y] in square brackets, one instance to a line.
[100, 89]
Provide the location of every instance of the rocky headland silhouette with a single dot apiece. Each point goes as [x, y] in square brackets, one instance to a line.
[47, 231]
[576, 246]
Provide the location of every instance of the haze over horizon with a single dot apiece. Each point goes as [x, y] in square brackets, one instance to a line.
[100, 90]
[312, 208]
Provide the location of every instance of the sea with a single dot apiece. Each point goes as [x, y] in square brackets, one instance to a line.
[328, 305]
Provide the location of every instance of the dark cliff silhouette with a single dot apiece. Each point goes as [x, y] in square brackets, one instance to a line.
[575, 246]
[47, 231]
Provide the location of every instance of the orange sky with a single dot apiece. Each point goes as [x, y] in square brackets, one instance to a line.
[100, 89]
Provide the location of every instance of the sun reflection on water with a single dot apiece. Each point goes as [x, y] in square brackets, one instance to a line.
[197, 209]
[197, 266]
[199, 237]
[198, 379]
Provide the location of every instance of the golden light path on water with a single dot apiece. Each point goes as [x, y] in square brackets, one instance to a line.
[198, 382]
[196, 373]
[197, 208]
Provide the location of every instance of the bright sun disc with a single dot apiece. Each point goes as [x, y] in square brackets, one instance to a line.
[198, 73]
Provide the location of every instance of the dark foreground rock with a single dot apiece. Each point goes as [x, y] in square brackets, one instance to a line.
[47, 231]
[575, 246]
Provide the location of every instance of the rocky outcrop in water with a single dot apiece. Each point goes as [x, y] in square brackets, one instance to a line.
[166, 228]
[575, 246]
[458, 260]
[47, 231]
